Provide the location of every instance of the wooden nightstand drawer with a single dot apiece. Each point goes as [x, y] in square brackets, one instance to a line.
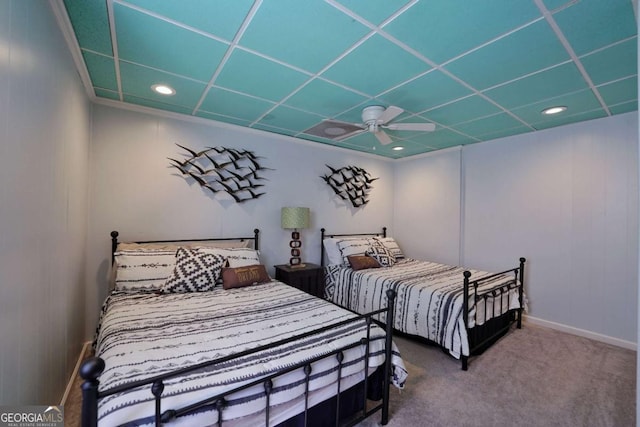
[308, 278]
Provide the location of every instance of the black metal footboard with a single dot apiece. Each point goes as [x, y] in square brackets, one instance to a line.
[492, 325]
[92, 368]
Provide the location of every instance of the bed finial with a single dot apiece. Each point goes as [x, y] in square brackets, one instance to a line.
[256, 232]
[114, 245]
[384, 231]
[90, 370]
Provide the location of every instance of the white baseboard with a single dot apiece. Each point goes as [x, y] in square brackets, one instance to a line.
[581, 332]
[76, 369]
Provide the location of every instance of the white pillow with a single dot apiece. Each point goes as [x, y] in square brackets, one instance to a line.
[143, 270]
[356, 246]
[392, 246]
[332, 251]
[236, 257]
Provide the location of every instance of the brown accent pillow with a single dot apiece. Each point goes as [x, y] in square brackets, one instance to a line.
[244, 276]
[360, 262]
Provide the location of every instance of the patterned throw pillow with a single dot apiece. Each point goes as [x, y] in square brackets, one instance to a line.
[391, 244]
[195, 272]
[142, 270]
[381, 254]
[353, 246]
[236, 257]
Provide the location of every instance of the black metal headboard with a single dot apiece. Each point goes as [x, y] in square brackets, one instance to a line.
[256, 232]
[324, 234]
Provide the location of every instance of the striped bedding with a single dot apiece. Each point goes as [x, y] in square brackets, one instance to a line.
[145, 334]
[429, 300]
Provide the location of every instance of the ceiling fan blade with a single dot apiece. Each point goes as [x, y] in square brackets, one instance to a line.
[383, 137]
[389, 114]
[349, 135]
[425, 127]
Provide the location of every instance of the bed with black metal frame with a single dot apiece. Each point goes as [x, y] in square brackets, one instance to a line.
[483, 333]
[346, 407]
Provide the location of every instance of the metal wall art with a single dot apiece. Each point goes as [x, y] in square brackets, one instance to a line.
[227, 170]
[350, 183]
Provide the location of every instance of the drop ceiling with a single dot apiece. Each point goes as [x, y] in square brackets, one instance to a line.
[479, 70]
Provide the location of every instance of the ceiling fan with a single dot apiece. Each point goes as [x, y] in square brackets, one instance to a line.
[375, 119]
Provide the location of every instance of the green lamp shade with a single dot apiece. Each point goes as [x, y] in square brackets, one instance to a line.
[292, 218]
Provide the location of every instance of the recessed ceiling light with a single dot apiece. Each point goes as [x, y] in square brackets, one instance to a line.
[163, 89]
[397, 148]
[554, 110]
[335, 131]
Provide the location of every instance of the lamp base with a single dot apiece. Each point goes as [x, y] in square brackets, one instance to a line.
[300, 265]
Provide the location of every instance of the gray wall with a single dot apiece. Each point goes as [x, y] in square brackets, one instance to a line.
[565, 198]
[135, 191]
[44, 154]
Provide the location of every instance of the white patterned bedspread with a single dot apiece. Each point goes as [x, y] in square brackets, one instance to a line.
[143, 335]
[429, 300]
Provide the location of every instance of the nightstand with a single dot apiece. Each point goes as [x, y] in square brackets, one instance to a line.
[308, 278]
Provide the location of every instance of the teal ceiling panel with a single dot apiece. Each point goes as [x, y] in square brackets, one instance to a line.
[289, 118]
[555, 5]
[374, 11]
[503, 60]
[102, 70]
[236, 105]
[282, 66]
[373, 67]
[540, 86]
[409, 148]
[156, 104]
[565, 120]
[487, 125]
[137, 81]
[248, 73]
[432, 89]
[90, 24]
[274, 129]
[225, 119]
[324, 98]
[155, 43]
[444, 29]
[577, 102]
[109, 94]
[440, 139]
[620, 91]
[623, 55]
[311, 35]
[221, 19]
[368, 143]
[461, 111]
[625, 107]
[591, 24]
[502, 133]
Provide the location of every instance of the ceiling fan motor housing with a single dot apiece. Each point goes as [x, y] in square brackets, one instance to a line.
[372, 113]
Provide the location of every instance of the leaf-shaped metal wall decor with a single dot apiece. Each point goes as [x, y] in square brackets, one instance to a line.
[350, 183]
[228, 170]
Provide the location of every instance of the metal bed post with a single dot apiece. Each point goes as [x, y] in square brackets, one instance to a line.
[322, 230]
[256, 232]
[521, 292]
[465, 313]
[391, 296]
[90, 370]
[114, 245]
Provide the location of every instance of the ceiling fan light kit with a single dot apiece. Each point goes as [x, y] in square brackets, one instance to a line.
[375, 119]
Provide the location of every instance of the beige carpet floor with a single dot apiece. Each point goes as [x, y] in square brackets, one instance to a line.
[531, 377]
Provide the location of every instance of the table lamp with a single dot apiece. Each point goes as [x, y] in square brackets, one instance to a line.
[294, 219]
